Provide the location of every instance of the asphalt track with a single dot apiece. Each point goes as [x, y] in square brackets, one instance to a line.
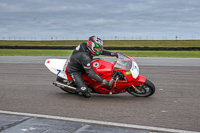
[26, 87]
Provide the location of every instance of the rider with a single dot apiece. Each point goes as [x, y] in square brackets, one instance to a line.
[80, 61]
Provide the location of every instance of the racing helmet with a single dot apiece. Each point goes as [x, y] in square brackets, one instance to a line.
[95, 45]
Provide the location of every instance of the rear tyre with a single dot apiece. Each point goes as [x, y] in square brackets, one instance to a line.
[145, 90]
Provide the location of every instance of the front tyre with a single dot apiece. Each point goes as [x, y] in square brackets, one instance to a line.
[145, 90]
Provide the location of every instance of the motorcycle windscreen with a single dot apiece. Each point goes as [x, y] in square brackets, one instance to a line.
[127, 64]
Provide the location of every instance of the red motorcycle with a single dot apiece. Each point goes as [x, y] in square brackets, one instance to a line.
[124, 71]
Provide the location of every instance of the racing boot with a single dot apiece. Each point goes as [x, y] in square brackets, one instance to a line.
[84, 92]
[108, 83]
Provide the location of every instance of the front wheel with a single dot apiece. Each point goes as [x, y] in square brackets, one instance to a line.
[145, 90]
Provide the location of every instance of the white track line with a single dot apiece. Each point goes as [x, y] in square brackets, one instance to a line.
[99, 122]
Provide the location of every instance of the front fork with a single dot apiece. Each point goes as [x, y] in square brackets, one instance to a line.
[138, 91]
[138, 81]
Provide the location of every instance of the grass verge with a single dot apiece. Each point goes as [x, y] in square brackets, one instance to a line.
[108, 43]
[39, 52]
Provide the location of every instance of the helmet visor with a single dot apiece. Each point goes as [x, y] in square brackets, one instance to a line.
[97, 48]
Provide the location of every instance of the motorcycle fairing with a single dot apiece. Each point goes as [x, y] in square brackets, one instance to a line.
[57, 66]
[103, 68]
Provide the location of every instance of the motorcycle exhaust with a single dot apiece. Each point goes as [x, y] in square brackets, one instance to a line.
[59, 84]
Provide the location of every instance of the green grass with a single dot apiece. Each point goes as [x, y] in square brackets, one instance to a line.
[132, 53]
[34, 52]
[113, 43]
[193, 54]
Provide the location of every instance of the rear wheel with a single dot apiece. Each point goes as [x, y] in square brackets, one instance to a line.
[145, 90]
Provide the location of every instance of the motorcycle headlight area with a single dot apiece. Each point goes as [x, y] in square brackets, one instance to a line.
[134, 70]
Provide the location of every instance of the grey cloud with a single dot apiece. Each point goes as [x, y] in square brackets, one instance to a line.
[106, 18]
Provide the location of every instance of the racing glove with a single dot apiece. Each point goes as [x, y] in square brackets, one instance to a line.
[115, 54]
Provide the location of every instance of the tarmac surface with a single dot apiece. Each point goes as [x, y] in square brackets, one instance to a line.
[30, 103]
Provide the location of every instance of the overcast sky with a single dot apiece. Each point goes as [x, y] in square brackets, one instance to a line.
[108, 19]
